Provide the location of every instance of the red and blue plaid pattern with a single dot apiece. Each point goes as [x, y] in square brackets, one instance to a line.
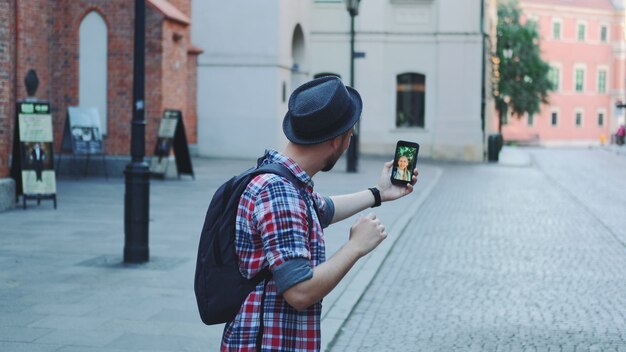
[271, 229]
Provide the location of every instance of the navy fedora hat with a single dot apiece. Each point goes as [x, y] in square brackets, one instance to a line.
[321, 110]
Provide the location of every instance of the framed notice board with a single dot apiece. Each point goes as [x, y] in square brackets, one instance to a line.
[84, 124]
[33, 159]
[82, 135]
[171, 135]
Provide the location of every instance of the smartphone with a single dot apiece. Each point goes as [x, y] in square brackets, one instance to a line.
[404, 161]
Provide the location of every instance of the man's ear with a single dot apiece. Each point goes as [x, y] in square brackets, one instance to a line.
[337, 142]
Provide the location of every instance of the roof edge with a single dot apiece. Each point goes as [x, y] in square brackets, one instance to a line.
[169, 11]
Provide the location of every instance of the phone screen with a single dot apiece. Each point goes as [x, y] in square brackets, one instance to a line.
[404, 162]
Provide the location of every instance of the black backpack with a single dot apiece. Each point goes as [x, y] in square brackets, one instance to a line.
[219, 286]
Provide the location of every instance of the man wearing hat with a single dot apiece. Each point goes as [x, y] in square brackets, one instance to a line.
[272, 227]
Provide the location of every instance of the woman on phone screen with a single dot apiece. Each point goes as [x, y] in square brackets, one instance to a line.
[402, 172]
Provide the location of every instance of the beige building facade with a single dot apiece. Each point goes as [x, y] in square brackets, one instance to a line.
[423, 68]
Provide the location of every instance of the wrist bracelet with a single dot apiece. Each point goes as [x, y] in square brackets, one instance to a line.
[376, 194]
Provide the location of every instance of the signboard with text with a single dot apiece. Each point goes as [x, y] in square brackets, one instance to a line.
[33, 159]
[171, 134]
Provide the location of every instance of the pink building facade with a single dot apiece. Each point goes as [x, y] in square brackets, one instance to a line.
[583, 41]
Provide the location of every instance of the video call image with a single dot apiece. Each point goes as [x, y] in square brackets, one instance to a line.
[405, 163]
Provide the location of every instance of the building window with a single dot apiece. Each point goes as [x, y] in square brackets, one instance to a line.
[93, 66]
[531, 120]
[554, 118]
[555, 78]
[580, 32]
[604, 34]
[579, 79]
[578, 118]
[556, 30]
[602, 81]
[600, 119]
[410, 100]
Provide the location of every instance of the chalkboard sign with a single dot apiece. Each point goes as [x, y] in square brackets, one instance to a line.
[33, 159]
[171, 134]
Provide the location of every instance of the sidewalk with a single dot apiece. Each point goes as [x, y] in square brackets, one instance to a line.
[63, 286]
[616, 149]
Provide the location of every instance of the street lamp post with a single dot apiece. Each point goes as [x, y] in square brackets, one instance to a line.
[504, 69]
[353, 150]
[137, 175]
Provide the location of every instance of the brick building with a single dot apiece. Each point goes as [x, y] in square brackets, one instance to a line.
[51, 36]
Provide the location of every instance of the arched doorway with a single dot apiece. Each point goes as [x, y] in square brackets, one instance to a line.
[92, 72]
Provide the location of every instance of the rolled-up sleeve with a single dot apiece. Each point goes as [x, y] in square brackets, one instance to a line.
[291, 273]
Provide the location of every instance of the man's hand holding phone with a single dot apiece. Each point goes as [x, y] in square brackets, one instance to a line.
[389, 191]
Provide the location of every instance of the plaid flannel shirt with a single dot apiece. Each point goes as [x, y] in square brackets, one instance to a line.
[272, 229]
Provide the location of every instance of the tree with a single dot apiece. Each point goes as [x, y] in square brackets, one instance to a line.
[524, 83]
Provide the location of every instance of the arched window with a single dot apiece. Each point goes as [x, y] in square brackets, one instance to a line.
[93, 72]
[298, 55]
[410, 99]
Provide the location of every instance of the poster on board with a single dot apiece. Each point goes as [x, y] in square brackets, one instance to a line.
[36, 174]
[171, 135]
[84, 126]
[162, 150]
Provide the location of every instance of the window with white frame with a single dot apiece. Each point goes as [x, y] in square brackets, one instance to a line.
[578, 118]
[579, 79]
[556, 29]
[554, 118]
[604, 33]
[600, 118]
[530, 119]
[581, 31]
[602, 74]
[555, 77]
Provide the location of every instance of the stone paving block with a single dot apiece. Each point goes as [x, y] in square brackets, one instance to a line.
[159, 343]
[70, 323]
[27, 347]
[87, 338]
[22, 334]
[19, 318]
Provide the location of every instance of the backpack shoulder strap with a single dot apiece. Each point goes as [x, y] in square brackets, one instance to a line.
[279, 170]
[283, 171]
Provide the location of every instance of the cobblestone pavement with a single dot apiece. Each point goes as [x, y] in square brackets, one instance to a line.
[506, 259]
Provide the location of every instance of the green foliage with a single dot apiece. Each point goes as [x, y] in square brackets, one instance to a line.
[524, 77]
[406, 151]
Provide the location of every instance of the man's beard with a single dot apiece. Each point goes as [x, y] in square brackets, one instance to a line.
[331, 161]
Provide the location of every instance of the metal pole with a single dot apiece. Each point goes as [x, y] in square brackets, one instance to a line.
[137, 196]
[353, 152]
